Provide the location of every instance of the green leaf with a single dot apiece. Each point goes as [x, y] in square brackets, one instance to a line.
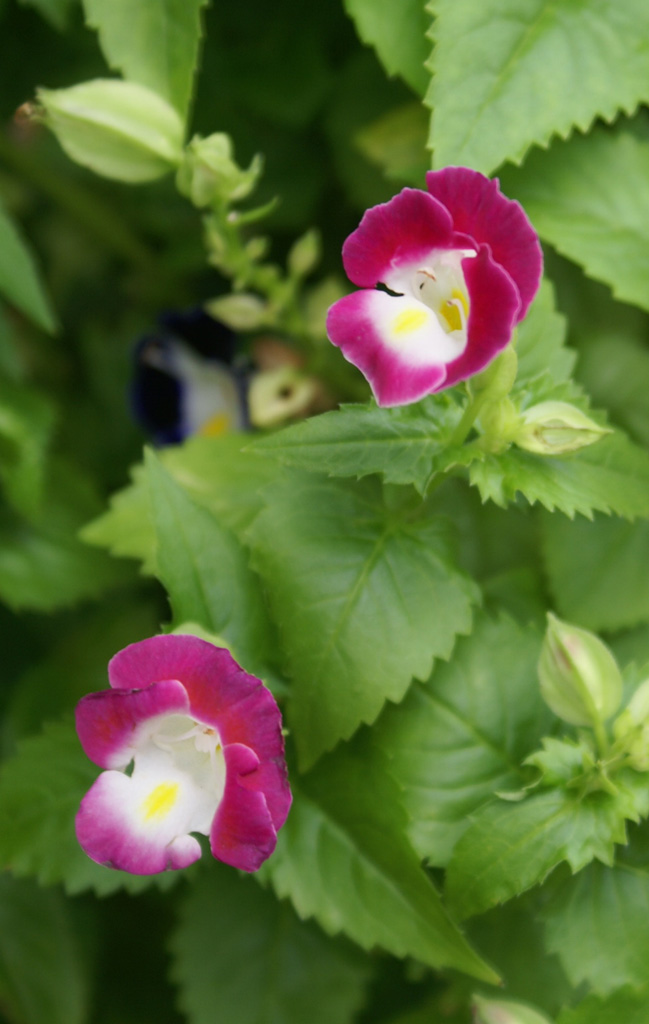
[213, 471]
[529, 971]
[343, 858]
[396, 142]
[611, 475]
[205, 570]
[578, 200]
[598, 570]
[624, 1005]
[75, 663]
[43, 974]
[366, 597]
[265, 964]
[43, 565]
[614, 368]
[397, 31]
[462, 736]
[20, 282]
[510, 847]
[405, 444]
[598, 925]
[57, 12]
[26, 421]
[515, 72]
[152, 42]
[540, 342]
[40, 791]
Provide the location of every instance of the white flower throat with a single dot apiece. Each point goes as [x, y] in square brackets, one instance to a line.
[437, 286]
[179, 759]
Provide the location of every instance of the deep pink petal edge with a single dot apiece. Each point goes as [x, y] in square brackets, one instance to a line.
[107, 721]
[493, 314]
[221, 694]
[393, 380]
[478, 207]
[404, 230]
[243, 834]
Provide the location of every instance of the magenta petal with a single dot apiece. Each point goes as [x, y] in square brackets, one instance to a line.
[494, 305]
[107, 721]
[479, 208]
[404, 230]
[108, 837]
[394, 378]
[242, 834]
[221, 694]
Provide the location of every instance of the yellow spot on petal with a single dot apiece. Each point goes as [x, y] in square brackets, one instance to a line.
[409, 320]
[160, 801]
[216, 426]
[453, 309]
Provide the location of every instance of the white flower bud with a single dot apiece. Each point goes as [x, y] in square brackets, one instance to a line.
[499, 1011]
[118, 129]
[580, 679]
[556, 428]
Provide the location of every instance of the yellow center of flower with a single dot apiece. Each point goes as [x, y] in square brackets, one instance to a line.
[160, 801]
[216, 426]
[453, 308]
[409, 320]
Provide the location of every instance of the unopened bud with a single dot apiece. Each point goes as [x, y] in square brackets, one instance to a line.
[210, 173]
[304, 254]
[580, 679]
[499, 1011]
[242, 311]
[631, 728]
[555, 428]
[118, 129]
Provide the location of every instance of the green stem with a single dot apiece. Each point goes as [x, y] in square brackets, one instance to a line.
[469, 417]
[601, 737]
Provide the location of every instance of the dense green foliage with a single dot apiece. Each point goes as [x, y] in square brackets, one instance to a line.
[386, 572]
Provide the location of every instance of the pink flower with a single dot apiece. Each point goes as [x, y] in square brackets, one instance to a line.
[205, 745]
[446, 276]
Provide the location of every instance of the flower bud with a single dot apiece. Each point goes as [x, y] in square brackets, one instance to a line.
[499, 1011]
[580, 679]
[631, 728]
[209, 172]
[555, 428]
[304, 254]
[242, 311]
[118, 129]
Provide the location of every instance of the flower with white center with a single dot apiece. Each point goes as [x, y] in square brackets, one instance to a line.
[191, 744]
[445, 276]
